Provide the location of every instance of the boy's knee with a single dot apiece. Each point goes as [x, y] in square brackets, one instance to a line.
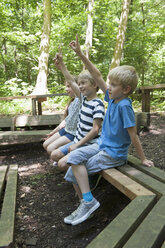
[62, 163]
[56, 155]
[44, 145]
[50, 149]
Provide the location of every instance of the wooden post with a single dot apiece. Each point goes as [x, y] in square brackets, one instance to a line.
[40, 100]
[34, 112]
[145, 100]
[39, 108]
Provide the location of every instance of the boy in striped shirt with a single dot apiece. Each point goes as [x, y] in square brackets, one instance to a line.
[91, 112]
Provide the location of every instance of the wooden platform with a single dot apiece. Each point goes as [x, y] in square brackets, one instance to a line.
[8, 189]
[30, 121]
[142, 223]
[30, 136]
[22, 137]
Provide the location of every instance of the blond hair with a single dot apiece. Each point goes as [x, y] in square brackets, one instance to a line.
[87, 75]
[125, 75]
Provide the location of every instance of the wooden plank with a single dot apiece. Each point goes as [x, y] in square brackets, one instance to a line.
[3, 171]
[22, 137]
[152, 171]
[34, 111]
[40, 107]
[8, 209]
[31, 96]
[125, 184]
[145, 180]
[153, 87]
[6, 122]
[38, 120]
[146, 100]
[151, 232]
[116, 234]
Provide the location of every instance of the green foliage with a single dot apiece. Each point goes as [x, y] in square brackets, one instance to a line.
[21, 28]
[16, 87]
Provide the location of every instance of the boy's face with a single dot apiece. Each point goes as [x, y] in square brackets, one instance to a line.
[86, 88]
[116, 91]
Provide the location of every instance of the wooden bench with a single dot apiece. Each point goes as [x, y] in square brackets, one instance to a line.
[8, 189]
[142, 223]
[22, 137]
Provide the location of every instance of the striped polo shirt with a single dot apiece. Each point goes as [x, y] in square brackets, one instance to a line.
[89, 111]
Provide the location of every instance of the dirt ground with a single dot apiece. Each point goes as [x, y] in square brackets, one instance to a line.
[44, 198]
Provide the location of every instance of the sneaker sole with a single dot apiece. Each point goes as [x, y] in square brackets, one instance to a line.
[67, 221]
[85, 217]
[70, 222]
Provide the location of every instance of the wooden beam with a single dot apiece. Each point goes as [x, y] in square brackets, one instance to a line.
[153, 87]
[31, 96]
[148, 182]
[3, 171]
[117, 233]
[125, 184]
[151, 171]
[38, 120]
[22, 137]
[151, 232]
[7, 219]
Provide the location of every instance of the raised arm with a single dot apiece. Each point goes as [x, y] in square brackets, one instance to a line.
[88, 64]
[58, 60]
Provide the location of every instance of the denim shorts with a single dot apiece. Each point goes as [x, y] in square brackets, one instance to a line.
[65, 148]
[93, 159]
[62, 132]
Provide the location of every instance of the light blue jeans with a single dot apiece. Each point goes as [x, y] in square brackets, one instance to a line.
[93, 159]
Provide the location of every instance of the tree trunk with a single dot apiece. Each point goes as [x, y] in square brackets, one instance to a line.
[41, 85]
[89, 29]
[120, 36]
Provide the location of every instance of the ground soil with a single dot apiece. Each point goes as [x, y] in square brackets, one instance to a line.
[44, 198]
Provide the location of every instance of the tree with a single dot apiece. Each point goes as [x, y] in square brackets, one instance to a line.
[89, 29]
[121, 35]
[41, 85]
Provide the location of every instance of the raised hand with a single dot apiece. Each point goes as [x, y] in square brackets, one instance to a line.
[58, 60]
[75, 45]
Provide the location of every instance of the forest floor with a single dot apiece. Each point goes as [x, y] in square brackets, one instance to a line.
[44, 198]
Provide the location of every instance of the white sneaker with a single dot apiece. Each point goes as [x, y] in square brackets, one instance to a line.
[55, 164]
[83, 212]
[69, 219]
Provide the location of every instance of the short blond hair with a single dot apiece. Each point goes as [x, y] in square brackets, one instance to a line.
[87, 75]
[125, 75]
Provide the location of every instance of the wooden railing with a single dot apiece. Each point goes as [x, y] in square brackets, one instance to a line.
[36, 101]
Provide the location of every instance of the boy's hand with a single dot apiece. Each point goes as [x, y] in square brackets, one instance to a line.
[58, 60]
[72, 147]
[75, 45]
[148, 163]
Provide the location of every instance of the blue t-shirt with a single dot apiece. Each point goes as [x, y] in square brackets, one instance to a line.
[114, 138]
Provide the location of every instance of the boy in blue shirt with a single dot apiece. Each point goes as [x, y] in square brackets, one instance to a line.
[119, 130]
